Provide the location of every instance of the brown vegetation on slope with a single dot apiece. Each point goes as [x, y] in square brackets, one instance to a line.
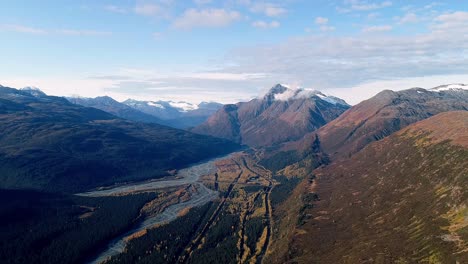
[399, 200]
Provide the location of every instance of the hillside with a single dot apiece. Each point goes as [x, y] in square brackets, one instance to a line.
[282, 115]
[398, 200]
[48, 143]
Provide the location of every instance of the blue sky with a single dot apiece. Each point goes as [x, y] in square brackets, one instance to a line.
[231, 50]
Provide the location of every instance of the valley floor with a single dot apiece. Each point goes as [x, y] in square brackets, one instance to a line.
[227, 202]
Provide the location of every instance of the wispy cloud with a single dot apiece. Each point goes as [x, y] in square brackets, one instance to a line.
[73, 32]
[202, 2]
[322, 22]
[456, 22]
[155, 8]
[374, 29]
[265, 25]
[323, 61]
[363, 5]
[115, 9]
[409, 18]
[212, 17]
[40, 31]
[268, 9]
[190, 86]
[23, 29]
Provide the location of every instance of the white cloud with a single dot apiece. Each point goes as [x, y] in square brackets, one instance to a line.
[374, 29]
[265, 25]
[268, 9]
[455, 21]
[321, 21]
[192, 18]
[363, 5]
[224, 76]
[323, 24]
[149, 9]
[326, 28]
[115, 9]
[23, 29]
[433, 4]
[409, 18]
[373, 15]
[363, 91]
[72, 32]
[202, 2]
[157, 35]
[40, 31]
[323, 61]
[155, 8]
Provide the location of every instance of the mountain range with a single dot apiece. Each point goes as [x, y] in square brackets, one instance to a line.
[382, 115]
[48, 143]
[319, 181]
[391, 189]
[175, 114]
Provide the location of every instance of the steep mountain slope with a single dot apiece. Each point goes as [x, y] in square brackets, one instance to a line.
[381, 115]
[51, 144]
[107, 104]
[402, 199]
[283, 114]
[176, 114]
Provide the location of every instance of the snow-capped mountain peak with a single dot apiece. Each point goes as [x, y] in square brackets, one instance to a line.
[281, 92]
[183, 106]
[34, 91]
[450, 87]
[155, 104]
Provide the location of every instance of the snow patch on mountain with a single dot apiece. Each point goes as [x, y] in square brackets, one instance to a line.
[183, 106]
[34, 91]
[450, 87]
[287, 93]
[155, 105]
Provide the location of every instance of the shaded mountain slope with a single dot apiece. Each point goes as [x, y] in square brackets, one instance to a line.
[402, 199]
[51, 144]
[282, 115]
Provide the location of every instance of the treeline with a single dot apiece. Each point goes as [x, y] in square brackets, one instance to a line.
[282, 191]
[280, 160]
[40, 227]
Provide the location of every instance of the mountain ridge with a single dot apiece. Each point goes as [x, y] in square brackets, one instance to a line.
[49, 143]
[380, 116]
[283, 114]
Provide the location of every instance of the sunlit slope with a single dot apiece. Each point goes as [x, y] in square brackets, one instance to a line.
[399, 200]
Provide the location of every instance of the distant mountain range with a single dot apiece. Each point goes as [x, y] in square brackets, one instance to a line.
[175, 114]
[107, 104]
[48, 143]
[282, 115]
